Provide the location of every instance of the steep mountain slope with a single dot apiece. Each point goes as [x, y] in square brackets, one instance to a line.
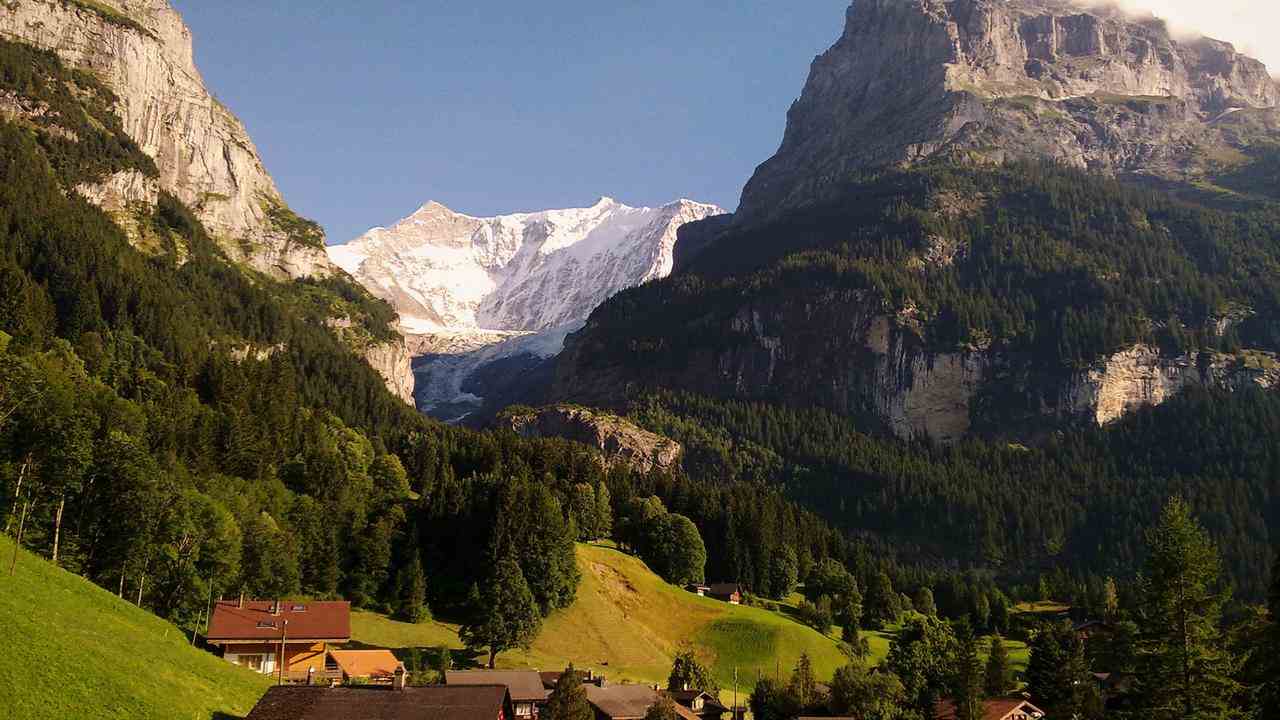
[77, 651]
[141, 52]
[473, 288]
[899, 272]
[994, 80]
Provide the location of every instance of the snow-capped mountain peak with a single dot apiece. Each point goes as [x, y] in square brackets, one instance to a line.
[449, 272]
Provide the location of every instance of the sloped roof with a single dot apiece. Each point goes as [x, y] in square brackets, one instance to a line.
[992, 709]
[371, 703]
[366, 663]
[254, 621]
[629, 702]
[686, 698]
[622, 702]
[725, 588]
[525, 685]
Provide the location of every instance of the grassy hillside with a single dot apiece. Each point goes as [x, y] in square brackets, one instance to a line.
[72, 650]
[628, 623]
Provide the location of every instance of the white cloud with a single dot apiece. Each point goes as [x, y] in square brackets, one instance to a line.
[1253, 26]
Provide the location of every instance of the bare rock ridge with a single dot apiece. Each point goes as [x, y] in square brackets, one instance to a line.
[618, 440]
[992, 80]
[143, 51]
[446, 272]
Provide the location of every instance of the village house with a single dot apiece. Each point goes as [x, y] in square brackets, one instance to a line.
[398, 702]
[1006, 709]
[698, 589]
[375, 666]
[255, 633]
[628, 702]
[587, 677]
[528, 694]
[702, 704]
[726, 592]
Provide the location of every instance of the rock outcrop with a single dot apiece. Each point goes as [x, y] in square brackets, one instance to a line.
[617, 440]
[851, 354]
[994, 80]
[143, 51]
[395, 364]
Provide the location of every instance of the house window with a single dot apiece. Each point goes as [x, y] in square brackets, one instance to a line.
[524, 710]
[697, 703]
[253, 662]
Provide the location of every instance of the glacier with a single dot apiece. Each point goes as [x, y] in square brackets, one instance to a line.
[473, 291]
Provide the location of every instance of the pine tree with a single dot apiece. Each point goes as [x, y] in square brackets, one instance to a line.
[504, 614]
[997, 680]
[1184, 670]
[411, 592]
[568, 701]
[804, 684]
[1056, 668]
[966, 686]
[604, 512]
[583, 509]
[1269, 695]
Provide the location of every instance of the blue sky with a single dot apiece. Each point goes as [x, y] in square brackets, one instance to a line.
[364, 111]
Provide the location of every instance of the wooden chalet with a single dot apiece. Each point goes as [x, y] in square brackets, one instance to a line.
[628, 702]
[1004, 709]
[587, 677]
[702, 704]
[528, 693]
[257, 633]
[726, 592]
[299, 702]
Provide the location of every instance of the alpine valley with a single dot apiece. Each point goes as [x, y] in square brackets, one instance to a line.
[985, 364]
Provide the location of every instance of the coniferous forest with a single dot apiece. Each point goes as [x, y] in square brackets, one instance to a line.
[176, 427]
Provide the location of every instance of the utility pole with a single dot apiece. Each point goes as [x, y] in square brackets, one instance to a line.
[735, 692]
[284, 635]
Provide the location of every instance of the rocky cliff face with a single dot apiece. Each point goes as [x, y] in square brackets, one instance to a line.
[853, 355]
[992, 80]
[617, 440]
[143, 51]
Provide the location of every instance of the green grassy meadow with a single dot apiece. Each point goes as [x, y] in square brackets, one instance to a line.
[71, 650]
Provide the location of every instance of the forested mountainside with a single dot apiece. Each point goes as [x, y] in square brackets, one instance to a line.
[175, 424]
[948, 300]
[996, 235]
[188, 144]
[1004, 510]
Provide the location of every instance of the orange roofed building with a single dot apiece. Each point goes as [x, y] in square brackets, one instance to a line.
[252, 633]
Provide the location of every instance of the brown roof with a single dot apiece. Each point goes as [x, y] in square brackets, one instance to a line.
[725, 588]
[254, 621]
[686, 698]
[629, 702]
[366, 663]
[525, 685]
[992, 709]
[371, 703]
